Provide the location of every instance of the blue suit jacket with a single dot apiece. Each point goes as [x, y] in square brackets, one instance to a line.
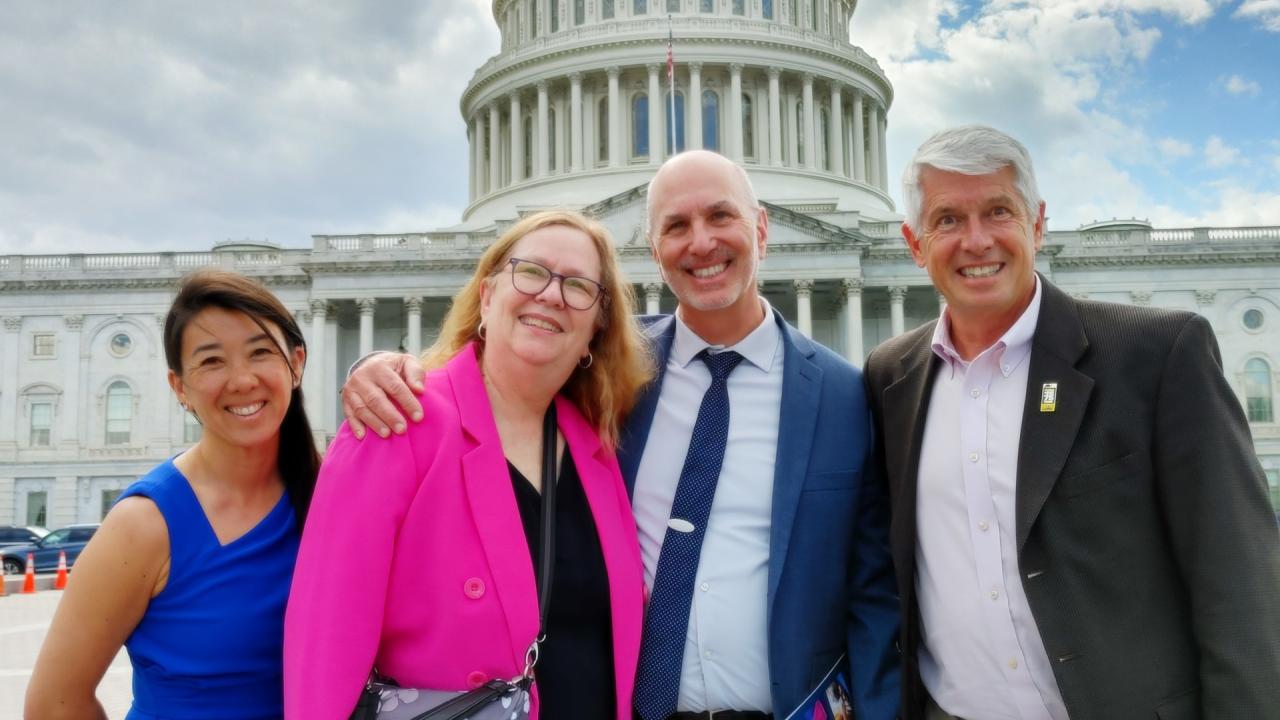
[831, 583]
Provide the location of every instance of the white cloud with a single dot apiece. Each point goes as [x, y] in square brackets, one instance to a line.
[1218, 154]
[1173, 148]
[1266, 12]
[1237, 85]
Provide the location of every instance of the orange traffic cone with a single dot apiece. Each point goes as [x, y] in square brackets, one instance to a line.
[60, 582]
[29, 584]
[3, 592]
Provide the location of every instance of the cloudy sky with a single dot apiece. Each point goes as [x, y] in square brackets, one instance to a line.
[141, 125]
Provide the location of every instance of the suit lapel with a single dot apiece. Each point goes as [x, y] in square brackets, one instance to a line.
[660, 334]
[493, 505]
[1047, 437]
[905, 405]
[801, 395]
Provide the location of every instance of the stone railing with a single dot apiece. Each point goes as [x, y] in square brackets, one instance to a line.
[163, 263]
[686, 28]
[414, 244]
[1145, 238]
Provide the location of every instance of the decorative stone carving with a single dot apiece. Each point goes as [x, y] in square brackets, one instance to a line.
[73, 322]
[804, 288]
[413, 304]
[1140, 297]
[366, 305]
[319, 308]
[897, 294]
[1205, 297]
[850, 287]
[13, 324]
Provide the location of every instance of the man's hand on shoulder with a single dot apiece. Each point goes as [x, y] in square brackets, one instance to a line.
[381, 390]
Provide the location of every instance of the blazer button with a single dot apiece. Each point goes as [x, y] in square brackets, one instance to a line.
[475, 679]
[474, 589]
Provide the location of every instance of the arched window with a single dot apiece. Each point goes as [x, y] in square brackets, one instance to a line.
[640, 7]
[748, 127]
[766, 9]
[533, 19]
[824, 157]
[813, 14]
[707, 6]
[673, 6]
[606, 9]
[678, 124]
[550, 130]
[640, 126]
[1257, 391]
[555, 15]
[602, 130]
[800, 132]
[119, 413]
[579, 12]
[710, 120]
[793, 12]
[528, 145]
[739, 7]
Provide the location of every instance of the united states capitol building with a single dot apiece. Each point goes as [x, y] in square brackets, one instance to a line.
[576, 110]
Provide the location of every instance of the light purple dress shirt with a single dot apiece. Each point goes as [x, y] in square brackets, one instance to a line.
[981, 654]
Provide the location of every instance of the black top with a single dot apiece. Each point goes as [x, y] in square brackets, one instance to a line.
[575, 670]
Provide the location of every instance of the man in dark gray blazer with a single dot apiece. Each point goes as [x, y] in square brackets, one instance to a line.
[1080, 526]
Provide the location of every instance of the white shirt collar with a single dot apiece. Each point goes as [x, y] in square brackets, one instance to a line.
[1013, 347]
[757, 348]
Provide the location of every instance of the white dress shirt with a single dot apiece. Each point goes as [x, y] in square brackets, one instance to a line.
[726, 660]
[981, 654]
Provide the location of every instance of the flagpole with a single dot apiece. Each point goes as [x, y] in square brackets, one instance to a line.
[671, 82]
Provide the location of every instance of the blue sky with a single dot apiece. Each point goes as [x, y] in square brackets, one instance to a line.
[137, 126]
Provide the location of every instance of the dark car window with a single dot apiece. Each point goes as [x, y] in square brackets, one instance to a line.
[10, 535]
[57, 536]
[81, 534]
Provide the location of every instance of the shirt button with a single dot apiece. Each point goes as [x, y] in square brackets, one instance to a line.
[975, 392]
[475, 679]
[983, 526]
[1013, 663]
[473, 588]
[995, 594]
[705, 587]
[973, 457]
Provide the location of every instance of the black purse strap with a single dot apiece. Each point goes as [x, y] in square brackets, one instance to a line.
[548, 553]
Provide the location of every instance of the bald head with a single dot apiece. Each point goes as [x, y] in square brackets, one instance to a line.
[690, 165]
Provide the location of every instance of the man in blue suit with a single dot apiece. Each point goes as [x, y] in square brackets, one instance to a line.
[793, 573]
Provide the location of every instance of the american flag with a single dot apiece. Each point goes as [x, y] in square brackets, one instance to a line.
[671, 58]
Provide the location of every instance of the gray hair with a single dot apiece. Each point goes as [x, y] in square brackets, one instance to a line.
[968, 150]
[753, 202]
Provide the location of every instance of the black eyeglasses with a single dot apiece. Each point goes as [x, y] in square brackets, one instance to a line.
[578, 293]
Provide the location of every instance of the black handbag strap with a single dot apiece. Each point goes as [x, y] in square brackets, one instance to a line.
[548, 553]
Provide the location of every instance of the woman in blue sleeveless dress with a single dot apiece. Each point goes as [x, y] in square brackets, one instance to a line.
[191, 569]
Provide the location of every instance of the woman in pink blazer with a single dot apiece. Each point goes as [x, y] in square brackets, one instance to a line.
[418, 555]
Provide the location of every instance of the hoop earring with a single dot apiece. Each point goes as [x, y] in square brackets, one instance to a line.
[480, 329]
[590, 359]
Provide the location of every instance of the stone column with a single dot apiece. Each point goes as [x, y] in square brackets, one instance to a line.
[873, 143]
[517, 139]
[413, 329]
[615, 118]
[366, 306]
[495, 144]
[851, 288]
[543, 147]
[859, 140]
[882, 131]
[562, 122]
[652, 298]
[316, 363]
[575, 121]
[473, 135]
[897, 296]
[835, 129]
[481, 166]
[9, 360]
[693, 108]
[657, 109]
[793, 129]
[804, 313]
[775, 119]
[807, 126]
[66, 417]
[734, 129]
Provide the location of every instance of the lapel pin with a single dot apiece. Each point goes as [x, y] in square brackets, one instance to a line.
[1049, 397]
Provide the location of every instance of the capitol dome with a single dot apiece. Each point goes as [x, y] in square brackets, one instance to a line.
[565, 114]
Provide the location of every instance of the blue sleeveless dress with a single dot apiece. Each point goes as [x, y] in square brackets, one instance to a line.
[211, 644]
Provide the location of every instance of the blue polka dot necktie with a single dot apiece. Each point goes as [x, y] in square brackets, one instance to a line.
[667, 619]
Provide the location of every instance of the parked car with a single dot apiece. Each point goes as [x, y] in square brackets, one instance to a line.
[16, 535]
[71, 539]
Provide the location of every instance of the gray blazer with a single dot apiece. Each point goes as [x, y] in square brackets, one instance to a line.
[1146, 543]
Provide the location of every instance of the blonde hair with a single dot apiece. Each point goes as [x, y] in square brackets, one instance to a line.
[605, 391]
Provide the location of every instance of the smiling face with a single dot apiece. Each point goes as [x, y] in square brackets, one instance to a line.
[234, 378]
[978, 242]
[709, 238]
[541, 329]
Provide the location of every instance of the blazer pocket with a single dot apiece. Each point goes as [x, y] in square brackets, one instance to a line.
[1183, 707]
[1100, 477]
[832, 480]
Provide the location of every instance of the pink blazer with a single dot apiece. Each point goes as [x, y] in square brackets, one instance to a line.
[414, 557]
